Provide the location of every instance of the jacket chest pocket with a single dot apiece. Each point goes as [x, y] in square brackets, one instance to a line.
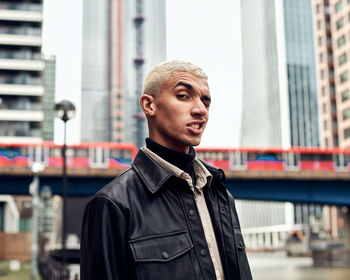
[164, 256]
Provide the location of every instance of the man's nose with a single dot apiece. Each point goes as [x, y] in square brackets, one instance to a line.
[199, 108]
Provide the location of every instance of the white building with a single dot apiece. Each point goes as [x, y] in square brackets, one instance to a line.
[21, 67]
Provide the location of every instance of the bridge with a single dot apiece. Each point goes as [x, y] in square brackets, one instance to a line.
[319, 187]
[296, 175]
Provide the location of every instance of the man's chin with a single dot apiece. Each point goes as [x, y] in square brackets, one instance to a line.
[195, 142]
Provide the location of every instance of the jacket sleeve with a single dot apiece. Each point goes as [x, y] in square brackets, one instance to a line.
[103, 246]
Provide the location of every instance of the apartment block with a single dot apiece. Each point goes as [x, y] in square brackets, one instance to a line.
[21, 67]
[332, 34]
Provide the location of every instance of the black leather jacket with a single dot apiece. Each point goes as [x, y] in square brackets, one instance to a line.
[145, 225]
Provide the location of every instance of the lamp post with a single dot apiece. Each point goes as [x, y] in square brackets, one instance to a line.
[34, 191]
[64, 110]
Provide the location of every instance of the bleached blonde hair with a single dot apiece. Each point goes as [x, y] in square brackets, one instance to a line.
[161, 73]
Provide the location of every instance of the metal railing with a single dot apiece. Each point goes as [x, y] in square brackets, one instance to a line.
[51, 269]
[21, 6]
[8, 132]
[51, 266]
[21, 106]
[20, 30]
[20, 80]
[26, 55]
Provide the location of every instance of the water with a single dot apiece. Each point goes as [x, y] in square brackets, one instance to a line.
[277, 266]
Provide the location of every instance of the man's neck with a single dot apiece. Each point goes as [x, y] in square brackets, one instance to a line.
[180, 160]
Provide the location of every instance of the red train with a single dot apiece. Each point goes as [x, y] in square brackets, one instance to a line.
[84, 155]
[296, 158]
[120, 156]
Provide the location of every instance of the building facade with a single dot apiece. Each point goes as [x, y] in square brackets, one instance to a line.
[21, 70]
[122, 40]
[279, 104]
[332, 27]
[48, 99]
[279, 78]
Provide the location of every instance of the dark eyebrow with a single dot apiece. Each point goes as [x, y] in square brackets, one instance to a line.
[186, 85]
[207, 98]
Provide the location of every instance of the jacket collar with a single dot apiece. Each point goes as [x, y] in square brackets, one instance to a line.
[218, 174]
[152, 174]
[155, 176]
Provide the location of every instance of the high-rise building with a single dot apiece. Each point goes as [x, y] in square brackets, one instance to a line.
[279, 79]
[279, 103]
[21, 67]
[332, 26]
[121, 41]
[95, 71]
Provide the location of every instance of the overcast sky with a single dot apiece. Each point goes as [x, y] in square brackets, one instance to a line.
[204, 32]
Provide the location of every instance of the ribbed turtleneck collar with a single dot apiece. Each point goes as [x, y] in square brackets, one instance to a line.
[180, 160]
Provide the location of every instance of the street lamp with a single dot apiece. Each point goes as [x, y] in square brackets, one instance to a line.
[37, 167]
[65, 110]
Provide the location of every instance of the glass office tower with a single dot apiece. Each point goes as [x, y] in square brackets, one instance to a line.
[279, 103]
[279, 78]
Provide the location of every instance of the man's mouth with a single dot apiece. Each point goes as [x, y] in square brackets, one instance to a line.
[195, 126]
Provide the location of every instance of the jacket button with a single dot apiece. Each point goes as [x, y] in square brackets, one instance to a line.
[192, 212]
[165, 255]
[203, 253]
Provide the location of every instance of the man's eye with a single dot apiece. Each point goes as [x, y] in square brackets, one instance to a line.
[206, 103]
[182, 96]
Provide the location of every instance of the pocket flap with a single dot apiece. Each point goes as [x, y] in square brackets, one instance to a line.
[239, 239]
[160, 248]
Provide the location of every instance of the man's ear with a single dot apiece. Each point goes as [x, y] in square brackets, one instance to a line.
[147, 104]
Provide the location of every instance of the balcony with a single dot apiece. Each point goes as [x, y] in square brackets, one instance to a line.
[23, 36]
[21, 64]
[23, 90]
[21, 12]
[20, 40]
[36, 138]
[19, 115]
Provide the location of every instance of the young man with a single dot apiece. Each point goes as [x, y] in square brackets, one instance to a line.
[169, 216]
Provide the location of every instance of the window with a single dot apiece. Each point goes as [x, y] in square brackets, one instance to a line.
[341, 41]
[345, 95]
[326, 142]
[338, 6]
[342, 59]
[344, 77]
[323, 91]
[340, 23]
[325, 125]
[318, 24]
[318, 8]
[324, 108]
[320, 41]
[346, 114]
[321, 57]
[322, 74]
[347, 133]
